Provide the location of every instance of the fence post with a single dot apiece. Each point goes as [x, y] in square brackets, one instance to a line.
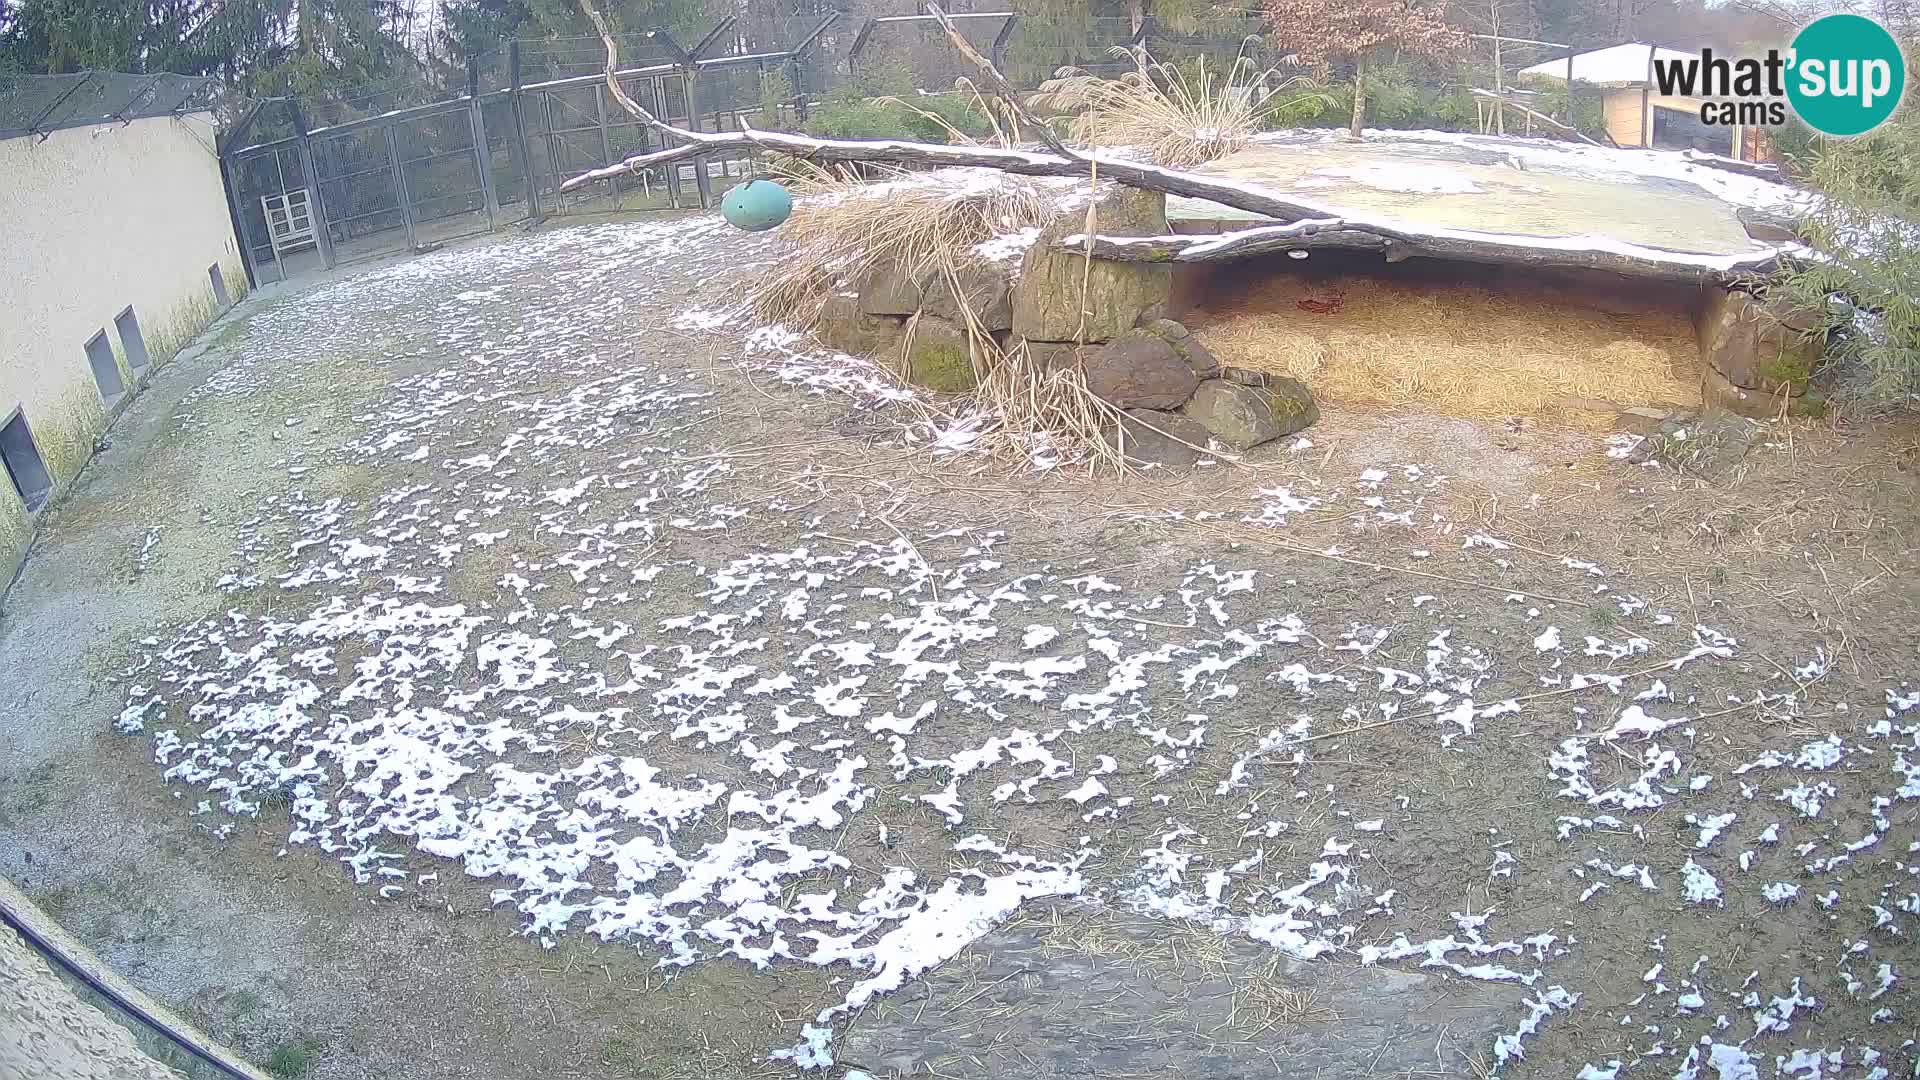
[400, 187]
[1571, 122]
[520, 128]
[316, 204]
[239, 226]
[701, 182]
[606, 139]
[482, 152]
[999, 53]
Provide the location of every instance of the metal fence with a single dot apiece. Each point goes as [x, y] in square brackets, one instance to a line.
[362, 183]
[39, 105]
[405, 165]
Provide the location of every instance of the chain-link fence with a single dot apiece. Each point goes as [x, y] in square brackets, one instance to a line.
[42, 104]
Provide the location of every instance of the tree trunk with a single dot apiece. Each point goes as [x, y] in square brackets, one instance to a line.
[1359, 94]
[1136, 15]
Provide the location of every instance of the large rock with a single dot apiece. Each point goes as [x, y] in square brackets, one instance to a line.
[1139, 370]
[1055, 286]
[887, 289]
[986, 291]
[1191, 349]
[1244, 416]
[1048, 356]
[1708, 444]
[938, 357]
[1150, 437]
[845, 327]
[1756, 345]
[1718, 392]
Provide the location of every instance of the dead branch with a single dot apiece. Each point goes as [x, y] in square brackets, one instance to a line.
[1396, 244]
[998, 84]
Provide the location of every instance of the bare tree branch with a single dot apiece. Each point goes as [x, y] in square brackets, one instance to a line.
[1299, 224]
[1397, 243]
[998, 83]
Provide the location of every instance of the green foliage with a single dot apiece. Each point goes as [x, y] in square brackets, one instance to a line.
[291, 1060]
[1865, 229]
[1412, 96]
[1398, 96]
[776, 90]
[847, 117]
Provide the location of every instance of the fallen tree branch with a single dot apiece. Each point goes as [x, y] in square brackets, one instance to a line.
[1398, 243]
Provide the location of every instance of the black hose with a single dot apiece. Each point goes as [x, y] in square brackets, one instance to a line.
[66, 963]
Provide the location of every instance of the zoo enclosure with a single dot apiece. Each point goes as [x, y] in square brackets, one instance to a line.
[406, 165]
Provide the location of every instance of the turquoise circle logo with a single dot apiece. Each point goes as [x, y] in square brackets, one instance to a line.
[1848, 75]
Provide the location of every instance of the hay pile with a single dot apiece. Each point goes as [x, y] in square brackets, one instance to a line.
[1459, 347]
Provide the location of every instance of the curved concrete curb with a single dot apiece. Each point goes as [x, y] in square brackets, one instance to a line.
[64, 952]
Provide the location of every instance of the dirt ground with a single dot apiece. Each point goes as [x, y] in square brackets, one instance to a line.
[502, 663]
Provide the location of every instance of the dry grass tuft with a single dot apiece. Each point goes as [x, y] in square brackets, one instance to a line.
[846, 223]
[926, 226]
[1181, 119]
[1458, 348]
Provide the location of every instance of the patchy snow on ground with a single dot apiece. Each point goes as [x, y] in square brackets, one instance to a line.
[580, 642]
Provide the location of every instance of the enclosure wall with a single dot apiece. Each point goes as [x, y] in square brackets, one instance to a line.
[96, 220]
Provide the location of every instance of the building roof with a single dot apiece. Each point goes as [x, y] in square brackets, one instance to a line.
[1617, 65]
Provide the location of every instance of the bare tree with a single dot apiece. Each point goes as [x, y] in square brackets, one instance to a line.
[1321, 31]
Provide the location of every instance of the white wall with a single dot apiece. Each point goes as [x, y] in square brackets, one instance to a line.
[93, 219]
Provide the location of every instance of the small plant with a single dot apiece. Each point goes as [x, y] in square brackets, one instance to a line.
[1867, 281]
[1180, 118]
[291, 1060]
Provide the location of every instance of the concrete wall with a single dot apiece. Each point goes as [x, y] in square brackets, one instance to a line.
[93, 219]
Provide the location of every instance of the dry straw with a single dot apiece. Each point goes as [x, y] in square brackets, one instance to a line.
[925, 227]
[1179, 118]
[1361, 341]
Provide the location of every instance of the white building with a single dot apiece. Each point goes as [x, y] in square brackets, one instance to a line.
[1637, 114]
[116, 248]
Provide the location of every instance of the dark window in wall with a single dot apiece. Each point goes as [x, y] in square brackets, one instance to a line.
[24, 465]
[131, 341]
[219, 285]
[106, 369]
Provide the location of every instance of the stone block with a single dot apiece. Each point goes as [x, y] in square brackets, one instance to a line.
[1139, 370]
[888, 289]
[1243, 416]
[1191, 349]
[1154, 437]
[1060, 297]
[1756, 345]
[986, 291]
[1049, 356]
[938, 357]
[845, 327]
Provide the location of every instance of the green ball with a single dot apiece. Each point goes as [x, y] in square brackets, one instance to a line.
[756, 205]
